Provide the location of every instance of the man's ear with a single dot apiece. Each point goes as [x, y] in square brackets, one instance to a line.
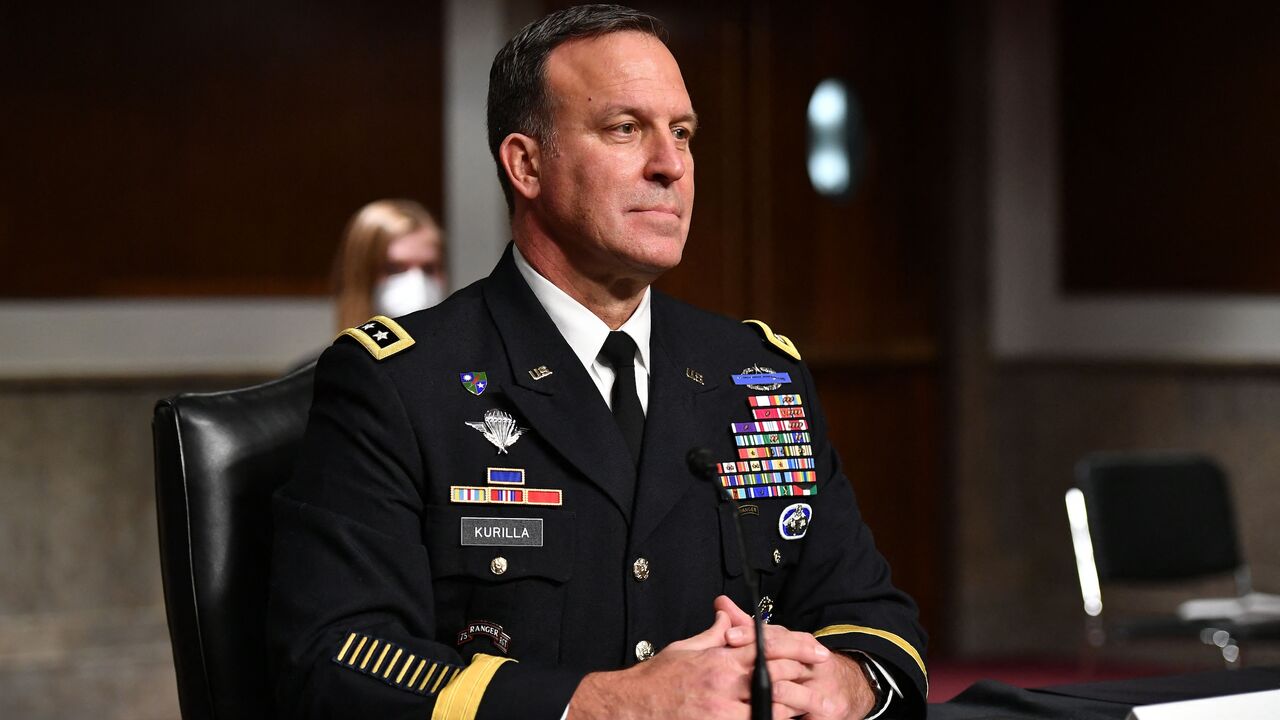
[522, 161]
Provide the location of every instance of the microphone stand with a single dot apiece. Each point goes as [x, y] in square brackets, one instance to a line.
[701, 463]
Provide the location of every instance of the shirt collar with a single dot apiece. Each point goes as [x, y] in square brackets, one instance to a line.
[580, 327]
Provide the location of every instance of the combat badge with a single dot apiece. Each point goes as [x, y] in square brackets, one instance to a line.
[758, 377]
[499, 428]
[793, 523]
[381, 336]
[475, 382]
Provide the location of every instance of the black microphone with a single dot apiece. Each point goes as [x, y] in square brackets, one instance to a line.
[702, 464]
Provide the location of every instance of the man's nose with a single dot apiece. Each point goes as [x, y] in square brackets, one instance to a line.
[666, 159]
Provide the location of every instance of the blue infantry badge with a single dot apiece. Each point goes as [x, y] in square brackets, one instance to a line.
[758, 377]
[793, 523]
[475, 382]
[765, 609]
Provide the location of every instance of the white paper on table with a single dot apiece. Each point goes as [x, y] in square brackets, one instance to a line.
[1263, 705]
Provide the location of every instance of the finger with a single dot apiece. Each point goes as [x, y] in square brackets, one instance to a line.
[785, 712]
[736, 614]
[712, 637]
[802, 698]
[780, 643]
[790, 670]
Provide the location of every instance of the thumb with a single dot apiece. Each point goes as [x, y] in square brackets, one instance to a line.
[737, 617]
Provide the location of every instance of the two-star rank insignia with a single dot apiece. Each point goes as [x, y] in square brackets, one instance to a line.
[381, 336]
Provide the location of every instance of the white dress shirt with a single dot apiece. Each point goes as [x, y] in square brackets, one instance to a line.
[586, 333]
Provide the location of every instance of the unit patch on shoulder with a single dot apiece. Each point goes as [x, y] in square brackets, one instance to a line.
[782, 342]
[393, 665]
[381, 336]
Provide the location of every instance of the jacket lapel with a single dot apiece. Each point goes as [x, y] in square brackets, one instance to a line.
[677, 421]
[564, 408]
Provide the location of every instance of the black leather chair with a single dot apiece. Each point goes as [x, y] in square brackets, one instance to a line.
[218, 458]
[1148, 519]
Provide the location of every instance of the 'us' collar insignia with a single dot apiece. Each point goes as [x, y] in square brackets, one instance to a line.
[793, 523]
[540, 372]
[758, 377]
[499, 428]
[475, 382]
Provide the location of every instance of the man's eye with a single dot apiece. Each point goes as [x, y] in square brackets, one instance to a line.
[627, 128]
[681, 133]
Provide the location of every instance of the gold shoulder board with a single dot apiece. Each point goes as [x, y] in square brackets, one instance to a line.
[782, 342]
[381, 336]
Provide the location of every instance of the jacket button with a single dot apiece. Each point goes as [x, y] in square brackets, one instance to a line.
[644, 650]
[640, 569]
[498, 565]
[777, 556]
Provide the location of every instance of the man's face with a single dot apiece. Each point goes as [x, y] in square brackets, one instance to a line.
[616, 192]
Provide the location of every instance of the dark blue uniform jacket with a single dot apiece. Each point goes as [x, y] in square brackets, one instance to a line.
[379, 609]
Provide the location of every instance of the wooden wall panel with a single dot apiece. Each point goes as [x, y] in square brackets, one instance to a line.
[215, 148]
[885, 423]
[1170, 155]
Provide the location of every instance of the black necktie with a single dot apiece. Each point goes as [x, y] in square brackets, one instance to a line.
[620, 352]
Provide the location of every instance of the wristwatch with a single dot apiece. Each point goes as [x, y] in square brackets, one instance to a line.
[873, 680]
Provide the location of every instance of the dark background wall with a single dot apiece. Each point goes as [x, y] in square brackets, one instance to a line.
[216, 148]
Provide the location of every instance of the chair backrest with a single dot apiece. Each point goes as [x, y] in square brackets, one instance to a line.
[1158, 516]
[218, 459]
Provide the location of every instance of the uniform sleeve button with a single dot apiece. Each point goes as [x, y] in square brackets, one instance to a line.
[498, 565]
[644, 650]
[640, 569]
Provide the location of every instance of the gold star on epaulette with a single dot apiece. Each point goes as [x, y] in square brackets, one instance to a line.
[782, 342]
[381, 336]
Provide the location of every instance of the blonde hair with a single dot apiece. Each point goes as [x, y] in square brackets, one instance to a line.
[363, 254]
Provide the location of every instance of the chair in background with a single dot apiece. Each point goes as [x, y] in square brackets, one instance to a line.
[1163, 518]
[218, 459]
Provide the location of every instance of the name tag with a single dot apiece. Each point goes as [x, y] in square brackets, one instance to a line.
[502, 532]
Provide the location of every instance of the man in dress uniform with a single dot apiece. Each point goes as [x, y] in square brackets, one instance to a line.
[493, 515]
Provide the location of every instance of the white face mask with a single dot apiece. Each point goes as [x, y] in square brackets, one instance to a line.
[406, 292]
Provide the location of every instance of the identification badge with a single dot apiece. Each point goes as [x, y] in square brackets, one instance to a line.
[501, 532]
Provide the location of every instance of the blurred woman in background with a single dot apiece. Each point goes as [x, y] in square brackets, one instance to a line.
[391, 262]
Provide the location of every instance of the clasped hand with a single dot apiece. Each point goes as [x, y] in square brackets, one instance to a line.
[709, 676]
